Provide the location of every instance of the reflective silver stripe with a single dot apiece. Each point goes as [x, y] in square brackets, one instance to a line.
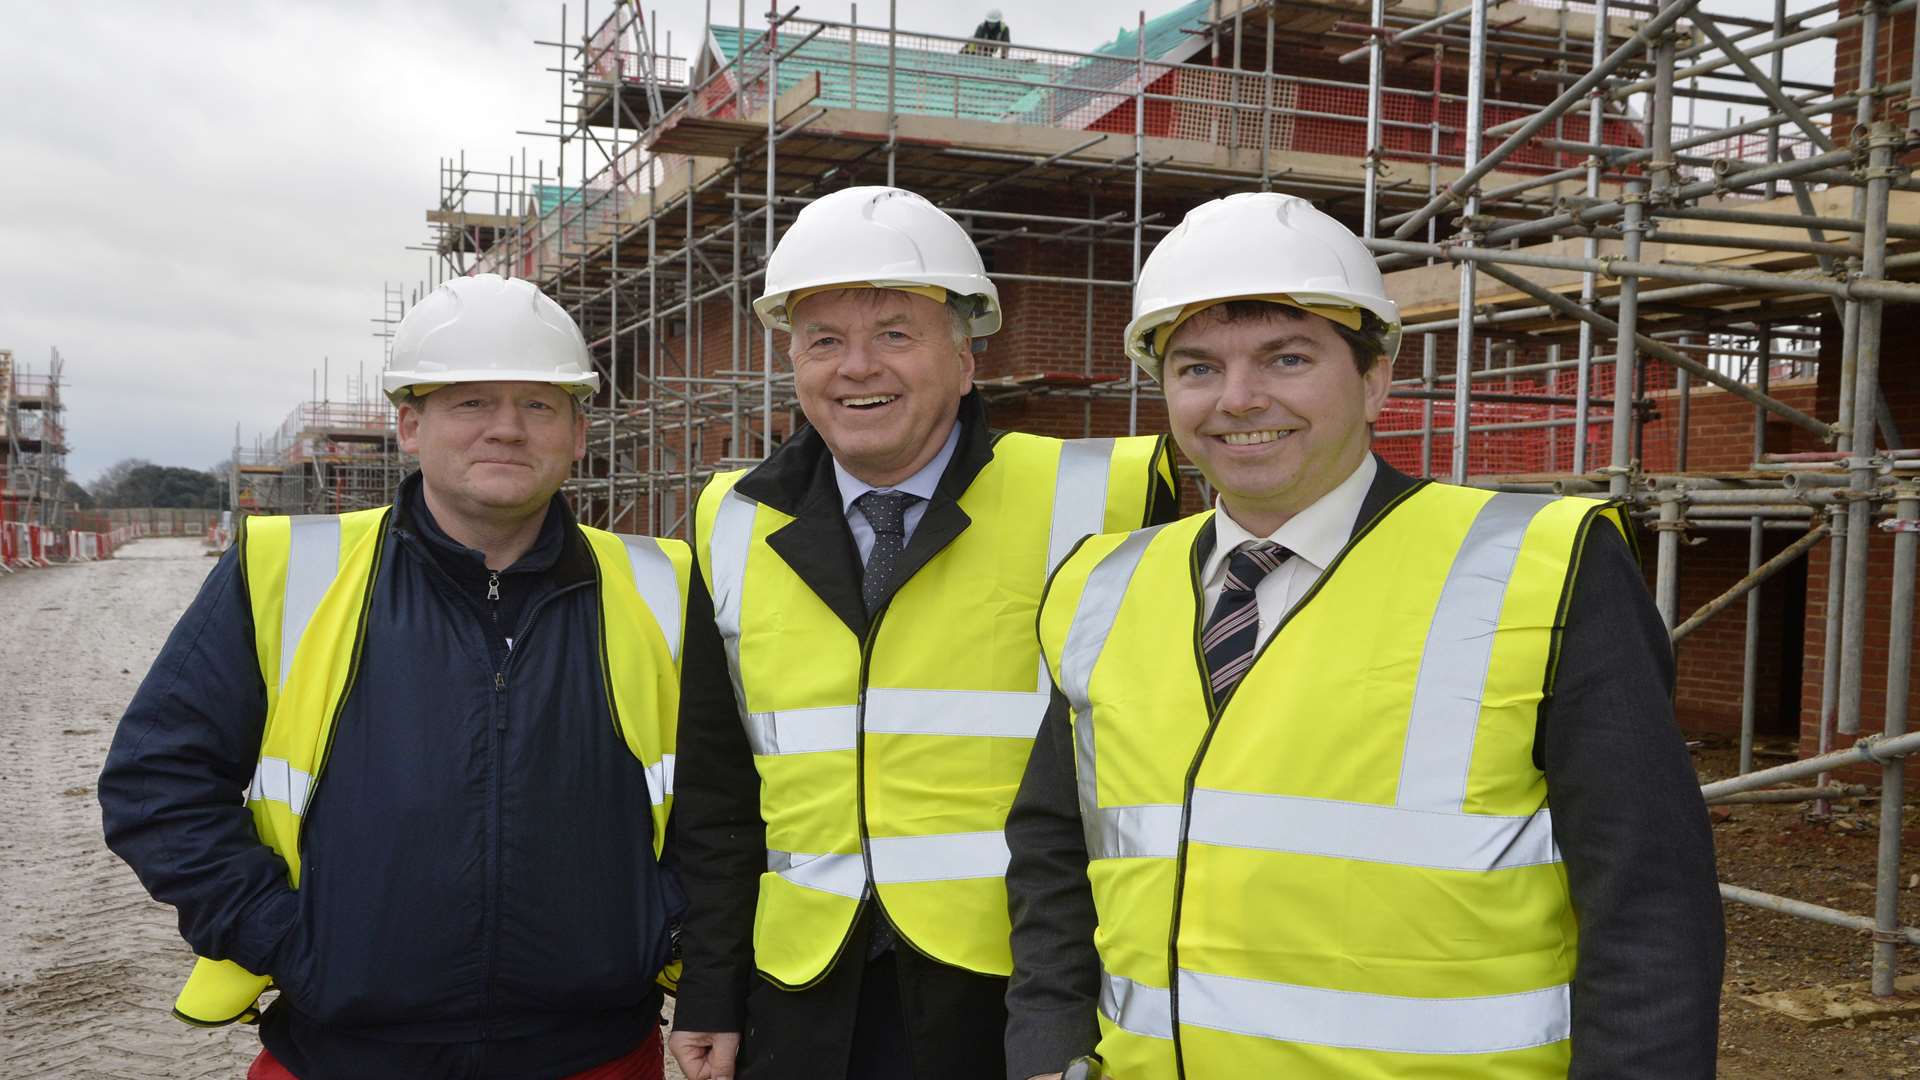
[313, 561]
[1079, 495]
[660, 779]
[276, 781]
[1459, 648]
[942, 857]
[843, 875]
[654, 580]
[1136, 1007]
[801, 731]
[1003, 714]
[1093, 619]
[1404, 1025]
[1086, 636]
[1371, 833]
[1148, 831]
[727, 547]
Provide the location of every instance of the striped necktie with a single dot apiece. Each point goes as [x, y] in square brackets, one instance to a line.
[1233, 633]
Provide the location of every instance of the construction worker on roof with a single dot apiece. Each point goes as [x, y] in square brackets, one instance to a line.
[1352, 775]
[452, 720]
[845, 775]
[985, 36]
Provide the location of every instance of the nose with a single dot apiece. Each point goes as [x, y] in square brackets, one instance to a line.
[1242, 391]
[857, 361]
[505, 424]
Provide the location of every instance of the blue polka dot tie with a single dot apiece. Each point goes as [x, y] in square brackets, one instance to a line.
[886, 512]
[1232, 636]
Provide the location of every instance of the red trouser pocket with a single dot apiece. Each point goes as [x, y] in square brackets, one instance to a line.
[647, 1062]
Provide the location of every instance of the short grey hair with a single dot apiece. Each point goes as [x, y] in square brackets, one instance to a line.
[959, 308]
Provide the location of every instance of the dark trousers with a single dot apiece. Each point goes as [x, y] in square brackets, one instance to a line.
[880, 1049]
[900, 1016]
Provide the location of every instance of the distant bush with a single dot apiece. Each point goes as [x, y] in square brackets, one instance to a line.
[137, 482]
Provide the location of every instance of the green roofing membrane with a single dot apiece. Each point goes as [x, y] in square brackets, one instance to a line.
[944, 82]
[927, 82]
[1164, 33]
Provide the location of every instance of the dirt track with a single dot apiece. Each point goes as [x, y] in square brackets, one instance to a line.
[88, 964]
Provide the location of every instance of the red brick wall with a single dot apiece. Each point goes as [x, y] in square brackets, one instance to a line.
[1893, 62]
[1900, 381]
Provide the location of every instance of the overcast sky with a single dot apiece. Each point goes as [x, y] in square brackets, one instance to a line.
[201, 201]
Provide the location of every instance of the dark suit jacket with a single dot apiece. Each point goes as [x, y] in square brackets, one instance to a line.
[955, 1019]
[1627, 815]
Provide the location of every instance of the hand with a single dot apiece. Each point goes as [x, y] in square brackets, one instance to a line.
[705, 1055]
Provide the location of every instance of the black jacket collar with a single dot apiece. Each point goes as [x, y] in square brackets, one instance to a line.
[1388, 485]
[798, 481]
[559, 551]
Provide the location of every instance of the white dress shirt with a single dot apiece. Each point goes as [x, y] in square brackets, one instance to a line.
[921, 483]
[1314, 535]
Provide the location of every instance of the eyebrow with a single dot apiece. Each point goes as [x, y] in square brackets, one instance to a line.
[1196, 352]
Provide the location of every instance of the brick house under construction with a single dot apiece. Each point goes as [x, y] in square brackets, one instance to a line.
[1067, 166]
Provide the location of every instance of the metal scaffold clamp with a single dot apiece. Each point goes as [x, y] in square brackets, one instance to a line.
[1869, 748]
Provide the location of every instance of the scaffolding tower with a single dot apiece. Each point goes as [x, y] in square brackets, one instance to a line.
[1609, 295]
[327, 457]
[33, 444]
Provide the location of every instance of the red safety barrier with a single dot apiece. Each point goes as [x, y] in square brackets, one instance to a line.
[24, 546]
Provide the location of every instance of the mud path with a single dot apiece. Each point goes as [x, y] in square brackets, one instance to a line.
[88, 964]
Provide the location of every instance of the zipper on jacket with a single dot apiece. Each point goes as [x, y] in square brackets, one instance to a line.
[493, 604]
[496, 754]
[491, 900]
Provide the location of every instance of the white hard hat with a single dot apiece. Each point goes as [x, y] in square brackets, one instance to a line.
[1255, 244]
[993, 15]
[487, 328]
[881, 236]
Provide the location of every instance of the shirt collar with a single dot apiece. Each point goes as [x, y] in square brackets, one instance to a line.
[1315, 534]
[922, 483]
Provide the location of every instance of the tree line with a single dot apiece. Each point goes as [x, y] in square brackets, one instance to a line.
[137, 482]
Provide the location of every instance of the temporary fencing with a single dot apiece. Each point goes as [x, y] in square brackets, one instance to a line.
[25, 546]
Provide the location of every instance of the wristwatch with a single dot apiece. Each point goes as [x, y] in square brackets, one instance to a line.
[1082, 1068]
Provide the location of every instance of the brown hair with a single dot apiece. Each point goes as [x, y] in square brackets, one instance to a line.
[1368, 344]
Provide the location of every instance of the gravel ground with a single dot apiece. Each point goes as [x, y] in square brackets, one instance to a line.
[89, 965]
[1780, 849]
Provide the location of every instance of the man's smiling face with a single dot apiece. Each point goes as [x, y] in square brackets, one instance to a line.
[880, 374]
[1273, 408]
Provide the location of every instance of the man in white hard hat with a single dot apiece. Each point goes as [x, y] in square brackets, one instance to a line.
[990, 38]
[410, 766]
[844, 777]
[1352, 775]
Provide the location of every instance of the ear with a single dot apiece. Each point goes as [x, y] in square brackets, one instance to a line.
[1375, 384]
[579, 430]
[408, 426]
[967, 367]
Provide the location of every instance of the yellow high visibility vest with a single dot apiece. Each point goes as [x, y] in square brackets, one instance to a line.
[1347, 867]
[895, 759]
[310, 580]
